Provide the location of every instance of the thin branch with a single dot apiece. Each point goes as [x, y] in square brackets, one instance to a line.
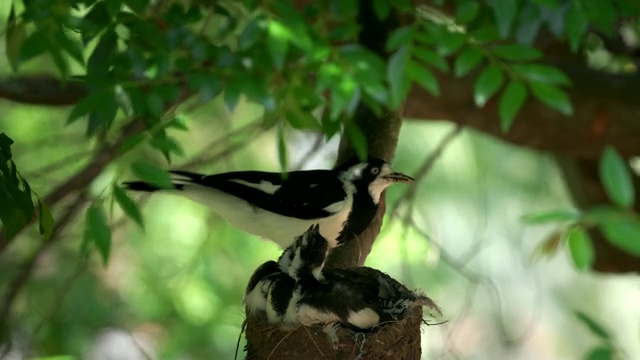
[317, 145]
[251, 130]
[56, 165]
[426, 167]
[62, 292]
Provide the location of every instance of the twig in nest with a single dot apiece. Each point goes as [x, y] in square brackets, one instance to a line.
[361, 350]
[313, 340]
[242, 329]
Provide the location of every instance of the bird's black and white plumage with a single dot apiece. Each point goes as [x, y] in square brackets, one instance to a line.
[342, 201]
[297, 290]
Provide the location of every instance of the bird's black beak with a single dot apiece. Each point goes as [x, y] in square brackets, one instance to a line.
[399, 177]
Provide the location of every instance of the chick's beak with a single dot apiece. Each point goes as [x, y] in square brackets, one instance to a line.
[399, 177]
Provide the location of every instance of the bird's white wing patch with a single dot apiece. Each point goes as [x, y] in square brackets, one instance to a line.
[335, 207]
[256, 299]
[290, 316]
[308, 315]
[364, 318]
[264, 186]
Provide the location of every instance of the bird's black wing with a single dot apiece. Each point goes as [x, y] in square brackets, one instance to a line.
[301, 194]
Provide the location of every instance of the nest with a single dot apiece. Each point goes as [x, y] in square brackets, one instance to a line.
[398, 340]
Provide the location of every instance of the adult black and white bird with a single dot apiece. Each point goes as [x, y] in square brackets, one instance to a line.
[343, 201]
[297, 290]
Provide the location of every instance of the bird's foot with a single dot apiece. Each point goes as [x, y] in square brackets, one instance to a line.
[331, 329]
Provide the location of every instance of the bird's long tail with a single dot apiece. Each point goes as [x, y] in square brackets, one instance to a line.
[139, 186]
[179, 177]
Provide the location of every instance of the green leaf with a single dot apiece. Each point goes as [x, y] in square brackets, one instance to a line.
[595, 328]
[5, 146]
[232, 93]
[206, 83]
[100, 59]
[603, 214]
[485, 34]
[15, 38]
[302, 120]
[127, 205]
[580, 248]
[155, 105]
[553, 96]
[98, 232]
[430, 58]
[344, 96]
[468, 60]
[602, 14]
[511, 102]
[551, 216]
[516, 52]
[131, 142]
[449, 43]
[357, 139]
[616, 178]
[382, 9]
[167, 144]
[251, 33]
[399, 83]
[91, 102]
[467, 11]
[400, 37]
[624, 234]
[45, 220]
[601, 353]
[17, 208]
[549, 3]
[14, 217]
[151, 173]
[59, 59]
[421, 75]
[487, 84]
[71, 46]
[576, 23]
[505, 13]
[33, 46]
[541, 73]
[278, 43]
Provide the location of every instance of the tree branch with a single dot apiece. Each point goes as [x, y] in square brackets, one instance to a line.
[605, 109]
[42, 90]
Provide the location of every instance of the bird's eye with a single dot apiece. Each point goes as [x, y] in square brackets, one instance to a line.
[375, 171]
